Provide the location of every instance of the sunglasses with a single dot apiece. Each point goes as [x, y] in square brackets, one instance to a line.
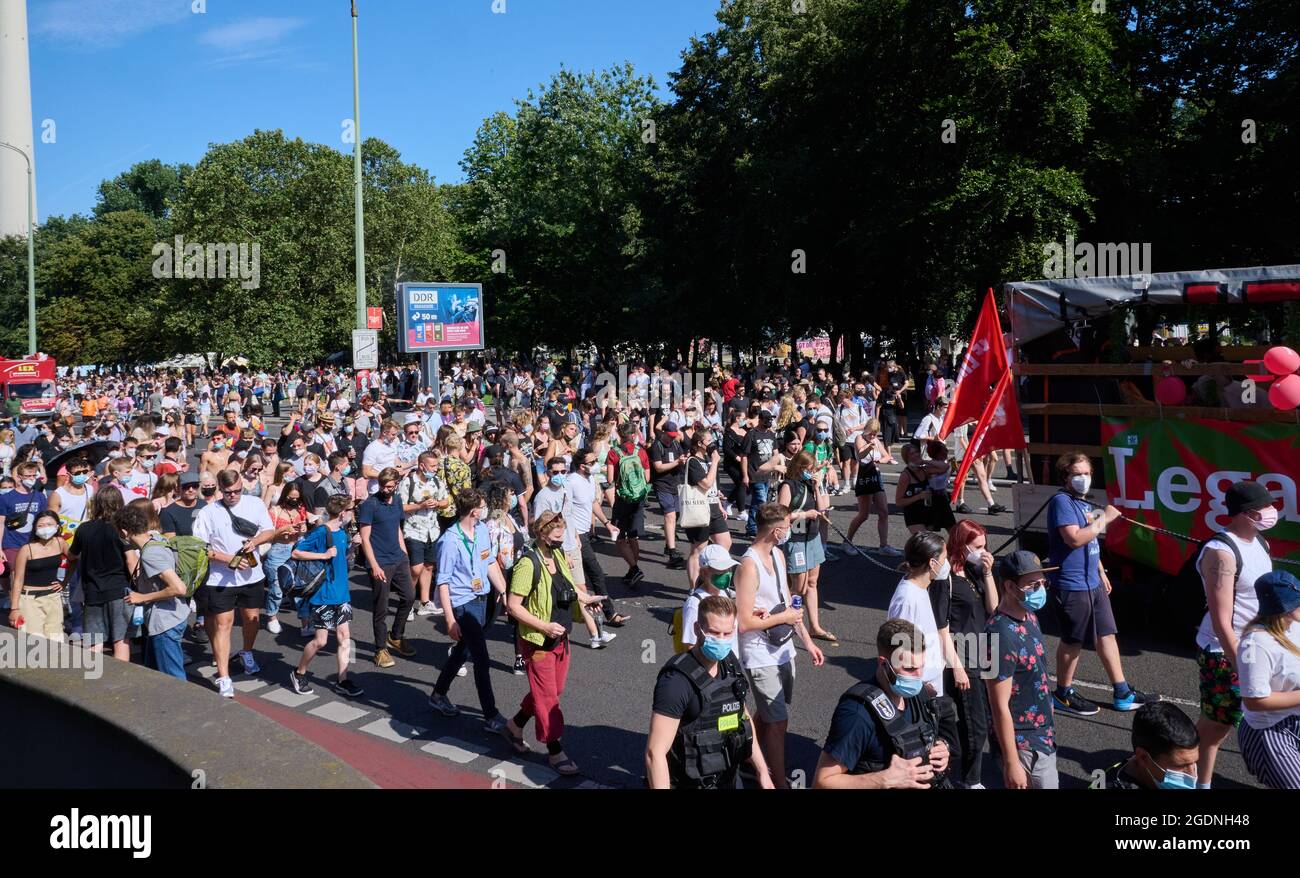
[233, 492]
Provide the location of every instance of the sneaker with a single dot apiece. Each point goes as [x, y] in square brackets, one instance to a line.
[993, 489]
[1012, 475]
[401, 647]
[225, 688]
[848, 548]
[410, 617]
[1074, 703]
[637, 576]
[520, 667]
[963, 509]
[383, 659]
[198, 634]
[997, 509]
[441, 704]
[675, 562]
[607, 636]
[273, 625]
[890, 550]
[347, 688]
[428, 608]
[464, 670]
[741, 516]
[976, 786]
[1133, 700]
[496, 725]
[597, 643]
[299, 683]
[250, 663]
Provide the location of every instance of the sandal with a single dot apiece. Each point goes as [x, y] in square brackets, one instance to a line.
[827, 636]
[519, 745]
[566, 767]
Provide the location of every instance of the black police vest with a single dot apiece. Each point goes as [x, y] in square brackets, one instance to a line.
[709, 749]
[908, 739]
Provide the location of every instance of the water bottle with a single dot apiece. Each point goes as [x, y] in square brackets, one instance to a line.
[796, 602]
[137, 616]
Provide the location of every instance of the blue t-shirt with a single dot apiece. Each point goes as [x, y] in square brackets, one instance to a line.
[1022, 659]
[335, 590]
[853, 735]
[1080, 568]
[385, 520]
[15, 502]
[462, 560]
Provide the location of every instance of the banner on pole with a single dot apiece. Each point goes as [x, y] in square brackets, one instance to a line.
[981, 369]
[1173, 474]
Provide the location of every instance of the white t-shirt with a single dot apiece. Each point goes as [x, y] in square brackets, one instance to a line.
[911, 602]
[1255, 562]
[1264, 666]
[549, 499]
[691, 612]
[213, 525]
[582, 496]
[379, 455]
[929, 427]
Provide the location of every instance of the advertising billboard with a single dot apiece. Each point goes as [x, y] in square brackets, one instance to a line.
[439, 317]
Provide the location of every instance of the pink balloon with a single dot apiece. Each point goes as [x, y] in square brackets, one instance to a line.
[1171, 390]
[1285, 393]
[1281, 361]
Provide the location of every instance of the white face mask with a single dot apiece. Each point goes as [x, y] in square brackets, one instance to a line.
[974, 556]
[945, 571]
[46, 533]
[1080, 485]
[1267, 518]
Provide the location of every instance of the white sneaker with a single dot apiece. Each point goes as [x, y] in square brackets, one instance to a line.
[410, 617]
[464, 669]
[607, 636]
[225, 688]
[993, 489]
[250, 663]
[597, 643]
[428, 608]
[975, 786]
[273, 625]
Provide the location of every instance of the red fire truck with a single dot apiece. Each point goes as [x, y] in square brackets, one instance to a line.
[29, 386]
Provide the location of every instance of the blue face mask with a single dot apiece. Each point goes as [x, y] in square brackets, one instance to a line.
[823, 435]
[347, 470]
[557, 481]
[807, 477]
[1036, 599]
[1175, 780]
[908, 687]
[514, 501]
[715, 649]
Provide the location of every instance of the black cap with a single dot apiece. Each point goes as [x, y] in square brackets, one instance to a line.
[764, 413]
[1019, 564]
[1247, 497]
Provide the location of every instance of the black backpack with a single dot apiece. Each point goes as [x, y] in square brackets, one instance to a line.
[1184, 598]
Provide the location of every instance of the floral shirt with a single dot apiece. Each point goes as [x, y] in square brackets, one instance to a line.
[1022, 659]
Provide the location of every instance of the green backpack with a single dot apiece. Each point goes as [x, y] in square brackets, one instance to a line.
[632, 486]
[191, 561]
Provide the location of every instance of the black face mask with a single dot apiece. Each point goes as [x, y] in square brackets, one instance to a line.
[208, 492]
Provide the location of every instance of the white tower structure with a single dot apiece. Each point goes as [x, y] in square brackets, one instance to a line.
[15, 117]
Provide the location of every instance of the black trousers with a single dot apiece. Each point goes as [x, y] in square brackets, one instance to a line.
[595, 576]
[737, 496]
[972, 725]
[397, 578]
[888, 425]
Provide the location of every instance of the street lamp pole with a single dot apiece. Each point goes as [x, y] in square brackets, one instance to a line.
[31, 248]
[356, 178]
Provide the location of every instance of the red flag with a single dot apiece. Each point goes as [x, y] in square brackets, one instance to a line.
[984, 364]
[999, 426]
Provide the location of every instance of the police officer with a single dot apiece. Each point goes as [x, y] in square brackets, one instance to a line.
[700, 730]
[891, 732]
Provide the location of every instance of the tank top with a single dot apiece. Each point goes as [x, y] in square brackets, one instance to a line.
[916, 484]
[42, 572]
[756, 651]
[1255, 562]
[802, 499]
[73, 508]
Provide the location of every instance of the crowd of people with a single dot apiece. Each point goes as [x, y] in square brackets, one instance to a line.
[481, 499]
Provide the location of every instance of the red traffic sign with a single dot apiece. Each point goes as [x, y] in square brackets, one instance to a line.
[374, 318]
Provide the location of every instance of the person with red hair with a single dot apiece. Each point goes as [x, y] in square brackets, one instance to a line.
[961, 611]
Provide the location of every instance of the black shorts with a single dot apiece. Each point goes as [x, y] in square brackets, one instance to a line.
[848, 452]
[329, 616]
[422, 552]
[916, 513]
[629, 518]
[717, 525]
[211, 599]
[1083, 615]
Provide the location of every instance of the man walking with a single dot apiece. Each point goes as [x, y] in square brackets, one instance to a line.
[383, 545]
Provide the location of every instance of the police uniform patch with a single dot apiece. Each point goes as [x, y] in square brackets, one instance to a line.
[883, 706]
[729, 722]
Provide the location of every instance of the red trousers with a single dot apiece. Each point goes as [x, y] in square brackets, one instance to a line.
[547, 671]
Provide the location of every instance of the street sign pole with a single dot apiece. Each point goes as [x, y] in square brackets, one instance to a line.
[429, 368]
[360, 232]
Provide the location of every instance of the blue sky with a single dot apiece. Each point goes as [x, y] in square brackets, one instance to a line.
[129, 80]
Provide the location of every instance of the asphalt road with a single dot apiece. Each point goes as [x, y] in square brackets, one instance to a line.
[607, 700]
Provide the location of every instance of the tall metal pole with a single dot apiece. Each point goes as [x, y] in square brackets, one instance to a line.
[31, 248]
[356, 178]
